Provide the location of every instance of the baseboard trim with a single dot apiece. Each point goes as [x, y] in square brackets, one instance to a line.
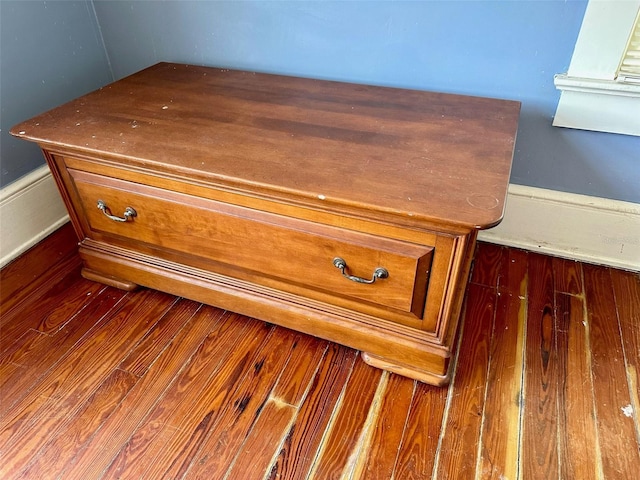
[579, 227]
[30, 210]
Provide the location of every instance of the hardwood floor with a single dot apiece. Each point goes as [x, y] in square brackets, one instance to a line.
[99, 383]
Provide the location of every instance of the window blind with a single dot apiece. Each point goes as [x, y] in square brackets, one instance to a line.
[629, 70]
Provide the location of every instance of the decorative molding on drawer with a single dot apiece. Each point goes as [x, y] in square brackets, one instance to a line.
[30, 209]
[568, 225]
[580, 227]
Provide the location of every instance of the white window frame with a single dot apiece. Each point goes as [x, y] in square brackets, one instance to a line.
[591, 98]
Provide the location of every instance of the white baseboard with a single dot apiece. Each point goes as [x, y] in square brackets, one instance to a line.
[590, 229]
[579, 227]
[30, 209]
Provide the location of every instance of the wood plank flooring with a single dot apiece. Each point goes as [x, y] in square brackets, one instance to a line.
[96, 383]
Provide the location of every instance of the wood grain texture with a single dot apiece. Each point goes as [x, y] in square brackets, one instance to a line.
[227, 234]
[392, 423]
[226, 439]
[487, 264]
[342, 442]
[54, 455]
[626, 288]
[38, 353]
[568, 276]
[291, 136]
[192, 409]
[99, 451]
[616, 429]
[305, 438]
[263, 443]
[578, 445]
[418, 449]
[69, 384]
[28, 278]
[146, 385]
[458, 451]
[540, 439]
[500, 434]
[302, 366]
[53, 311]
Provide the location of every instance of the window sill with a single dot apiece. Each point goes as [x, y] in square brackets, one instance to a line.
[599, 105]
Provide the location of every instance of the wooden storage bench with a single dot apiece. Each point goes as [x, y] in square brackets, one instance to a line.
[344, 211]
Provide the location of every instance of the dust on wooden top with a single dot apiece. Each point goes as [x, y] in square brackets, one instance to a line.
[433, 156]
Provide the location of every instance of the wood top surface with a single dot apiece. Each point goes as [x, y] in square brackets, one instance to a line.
[426, 156]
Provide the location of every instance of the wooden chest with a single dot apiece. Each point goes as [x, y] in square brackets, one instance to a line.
[344, 211]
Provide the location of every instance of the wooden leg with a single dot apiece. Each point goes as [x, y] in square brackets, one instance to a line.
[108, 280]
[406, 370]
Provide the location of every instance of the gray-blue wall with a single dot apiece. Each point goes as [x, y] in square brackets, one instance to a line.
[50, 53]
[507, 49]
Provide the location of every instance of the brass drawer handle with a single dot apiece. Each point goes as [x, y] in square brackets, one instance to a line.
[377, 273]
[129, 212]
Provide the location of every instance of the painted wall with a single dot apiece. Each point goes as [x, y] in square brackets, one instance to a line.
[50, 53]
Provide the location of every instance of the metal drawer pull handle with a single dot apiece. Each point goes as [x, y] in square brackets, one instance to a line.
[128, 212]
[377, 273]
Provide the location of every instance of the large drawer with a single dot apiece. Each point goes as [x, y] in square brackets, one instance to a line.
[265, 245]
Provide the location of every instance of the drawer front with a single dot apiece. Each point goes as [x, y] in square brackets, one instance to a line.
[258, 244]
